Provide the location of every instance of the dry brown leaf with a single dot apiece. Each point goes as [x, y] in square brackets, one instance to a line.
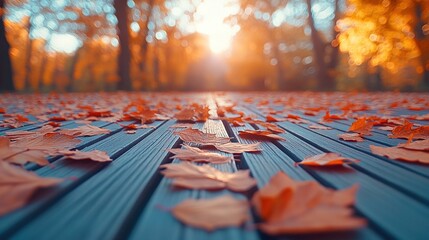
[352, 137]
[19, 155]
[362, 126]
[95, 155]
[13, 135]
[211, 214]
[422, 145]
[17, 186]
[398, 153]
[327, 159]
[188, 175]
[319, 127]
[237, 148]
[50, 143]
[84, 131]
[328, 117]
[260, 134]
[199, 137]
[194, 154]
[291, 207]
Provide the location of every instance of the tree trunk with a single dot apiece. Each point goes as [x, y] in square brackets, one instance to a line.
[72, 70]
[6, 80]
[124, 56]
[325, 81]
[144, 46]
[28, 56]
[333, 61]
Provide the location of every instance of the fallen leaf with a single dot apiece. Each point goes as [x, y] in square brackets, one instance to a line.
[260, 134]
[17, 186]
[194, 154]
[211, 214]
[13, 135]
[417, 145]
[327, 159]
[352, 137]
[182, 125]
[361, 126]
[238, 148]
[50, 143]
[399, 153]
[328, 117]
[95, 155]
[291, 207]
[188, 175]
[84, 131]
[270, 118]
[319, 127]
[199, 137]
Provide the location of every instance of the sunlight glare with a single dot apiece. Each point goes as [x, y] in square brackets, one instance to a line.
[66, 43]
[210, 20]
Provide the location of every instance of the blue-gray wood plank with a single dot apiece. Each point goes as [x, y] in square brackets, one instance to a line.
[120, 199]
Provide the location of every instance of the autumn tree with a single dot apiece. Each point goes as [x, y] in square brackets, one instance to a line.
[325, 53]
[124, 56]
[6, 80]
[386, 36]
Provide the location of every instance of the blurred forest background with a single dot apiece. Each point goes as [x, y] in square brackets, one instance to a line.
[95, 45]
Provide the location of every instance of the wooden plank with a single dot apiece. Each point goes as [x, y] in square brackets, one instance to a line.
[116, 187]
[364, 151]
[271, 160]
[382, 207]
[148, 223]
[77, 171]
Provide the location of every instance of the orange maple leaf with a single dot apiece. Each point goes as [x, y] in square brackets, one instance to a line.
[95, 155]
[194, 154]
[291, 207]
[238, 148]
[400, 153]
[260, 134]
[361, 126]
[352, 137]
[84, 131]
[191, 176]
[17, 186]
[199, 137]
[327, 159]
[211, 214]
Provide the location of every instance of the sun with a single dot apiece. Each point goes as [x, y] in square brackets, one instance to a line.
[66, 43]
[210, 20]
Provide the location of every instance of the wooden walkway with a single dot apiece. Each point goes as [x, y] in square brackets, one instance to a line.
[122, 199]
